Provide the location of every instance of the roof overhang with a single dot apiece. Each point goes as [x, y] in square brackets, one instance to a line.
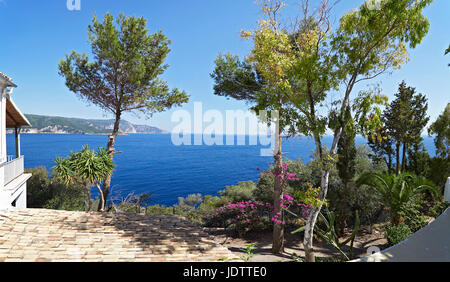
[6, 80]
[14, 117]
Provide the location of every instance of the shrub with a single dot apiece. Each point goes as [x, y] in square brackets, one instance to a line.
[67, 197]
[397, 233]
[158, 209]
[344, 201]
[243, 216]
[190, 203]
[241, 192]
[38, 192]
[52, 193]
[438, 208]
[413, 216]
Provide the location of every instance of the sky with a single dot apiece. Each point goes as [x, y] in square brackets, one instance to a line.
[37, 34]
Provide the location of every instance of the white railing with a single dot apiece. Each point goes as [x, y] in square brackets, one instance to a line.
[13, 169]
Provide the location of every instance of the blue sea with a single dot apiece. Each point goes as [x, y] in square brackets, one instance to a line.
[152, 164]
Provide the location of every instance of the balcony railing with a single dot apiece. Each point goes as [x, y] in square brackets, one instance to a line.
[13, 169]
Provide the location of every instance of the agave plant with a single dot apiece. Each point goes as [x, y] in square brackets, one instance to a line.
[398, 190]
[329, 234]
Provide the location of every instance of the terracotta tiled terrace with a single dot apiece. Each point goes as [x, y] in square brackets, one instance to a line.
[37, 235]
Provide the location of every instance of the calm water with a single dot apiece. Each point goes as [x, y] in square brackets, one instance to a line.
[150, 163]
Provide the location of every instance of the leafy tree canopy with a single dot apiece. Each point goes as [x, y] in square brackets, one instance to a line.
[124, 73]
[441, 129]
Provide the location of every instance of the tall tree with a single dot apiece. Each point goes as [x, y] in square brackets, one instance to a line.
[346, 165]
[406, 118]
[441, 129]
[382, 145]
[261, 80]
[346, 157]
[369, 42]
[124, 75]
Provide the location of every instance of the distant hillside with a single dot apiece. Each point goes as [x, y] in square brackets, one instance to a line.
[62, 125]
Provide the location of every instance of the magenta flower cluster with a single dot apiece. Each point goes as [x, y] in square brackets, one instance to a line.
[285, 175]
[289, 203]
[248, 214]
[244, 215]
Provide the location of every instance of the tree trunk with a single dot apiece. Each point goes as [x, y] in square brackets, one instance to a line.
[397, 156]
[278, 228]
[314, 214]
[101, 204]
[110, 148]
[389, 163]
[341, 219]
[89, 198]
[325, 175]
[404, 157]
[397, 219]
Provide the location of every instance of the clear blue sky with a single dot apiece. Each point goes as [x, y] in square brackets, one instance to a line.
[37, 34]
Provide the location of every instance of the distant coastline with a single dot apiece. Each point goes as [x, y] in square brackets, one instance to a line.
[63, 125]
[67, 133]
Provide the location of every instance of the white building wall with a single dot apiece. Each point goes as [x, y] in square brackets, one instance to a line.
[21, 201]
[4, 197]
[15, 191]
[3, 153]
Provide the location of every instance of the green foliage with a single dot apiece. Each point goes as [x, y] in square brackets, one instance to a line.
[249, 248]
[398, 190]
[345, 201]
[441, 129]
[242, 217]
[243, 191]
[235, 79]
[71, 125]
[438, 208]
[38, 191]
[90, 166]
[413, 215]
[418, 160]
[370, 41]
[125, 73]
[346, 157]
[158, 209]
[190, 203]
[326, 230]
[404, 120]
[439, 171]
[52, 193]
[397, 233]
[210, 204]
[299, 68]
[264, 187]
[67, 197]
[48, 124]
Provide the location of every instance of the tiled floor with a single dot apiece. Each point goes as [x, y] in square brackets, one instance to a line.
[37, 235]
